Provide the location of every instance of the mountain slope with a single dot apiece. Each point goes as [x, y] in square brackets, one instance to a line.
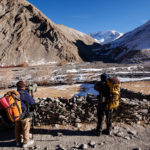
[132, 47]
[104, 37]
[27, 36]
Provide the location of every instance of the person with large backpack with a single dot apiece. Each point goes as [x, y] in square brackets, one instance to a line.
[22, 127]
[109, 89]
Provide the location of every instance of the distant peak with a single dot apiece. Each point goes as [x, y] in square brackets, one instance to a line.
[104, 37]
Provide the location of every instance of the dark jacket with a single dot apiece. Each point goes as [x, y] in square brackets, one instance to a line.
[103, 90]
[26, 101]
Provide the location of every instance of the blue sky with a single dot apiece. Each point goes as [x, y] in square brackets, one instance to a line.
[90, 16]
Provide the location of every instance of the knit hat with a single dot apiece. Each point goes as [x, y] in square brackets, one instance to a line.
[104, 77]
[20, 85]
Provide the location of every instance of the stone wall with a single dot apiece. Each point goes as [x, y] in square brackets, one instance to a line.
[65, 111]
[134, 108]
[125, 93]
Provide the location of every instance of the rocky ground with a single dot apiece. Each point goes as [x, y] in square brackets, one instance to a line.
[124, 137]
[67, 124]
[61, 122]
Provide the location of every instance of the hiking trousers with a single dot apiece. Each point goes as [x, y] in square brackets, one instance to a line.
[22, 129]
[101, 112]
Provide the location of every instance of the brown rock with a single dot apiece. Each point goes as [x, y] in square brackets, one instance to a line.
[27, 35]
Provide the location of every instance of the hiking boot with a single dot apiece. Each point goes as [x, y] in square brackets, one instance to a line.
[97, 132]
[28, 144]
[18, 144]
[108, 132]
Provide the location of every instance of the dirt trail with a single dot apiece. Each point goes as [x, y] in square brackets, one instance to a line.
[71, 138]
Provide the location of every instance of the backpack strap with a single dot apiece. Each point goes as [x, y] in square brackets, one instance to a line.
[26, 108]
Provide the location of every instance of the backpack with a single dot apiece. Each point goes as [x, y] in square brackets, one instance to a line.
[3, 103]
[12, 104]
[114, 88]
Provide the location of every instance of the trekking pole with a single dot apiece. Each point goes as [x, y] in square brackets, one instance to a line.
[32, 124]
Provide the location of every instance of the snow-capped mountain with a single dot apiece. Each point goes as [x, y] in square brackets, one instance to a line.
[104, 37]
[132, 47]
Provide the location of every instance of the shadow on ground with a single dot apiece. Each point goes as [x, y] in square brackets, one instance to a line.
[64, 132]
[7, 138]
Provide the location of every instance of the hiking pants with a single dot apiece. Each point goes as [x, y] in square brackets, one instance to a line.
[101, 112]
[22, 127]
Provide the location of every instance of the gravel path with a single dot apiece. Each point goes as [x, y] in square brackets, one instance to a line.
[124, 137]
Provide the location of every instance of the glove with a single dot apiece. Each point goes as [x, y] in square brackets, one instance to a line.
[32, 107]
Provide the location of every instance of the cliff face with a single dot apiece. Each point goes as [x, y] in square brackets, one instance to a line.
[27, 36]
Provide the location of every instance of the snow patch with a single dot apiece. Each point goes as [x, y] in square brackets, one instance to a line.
[72, 71]
[90, 69]
[42, 62]
[104, 37]
[133, 79]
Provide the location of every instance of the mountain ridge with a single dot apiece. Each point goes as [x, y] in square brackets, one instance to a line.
[28, 36]
[132, 47]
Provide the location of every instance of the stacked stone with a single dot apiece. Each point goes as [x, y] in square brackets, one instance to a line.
[133, 111]
[133, 108]
[65, 111]
[125, 93]
[83, 110]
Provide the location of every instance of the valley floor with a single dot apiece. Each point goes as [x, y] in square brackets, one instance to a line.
[67, 91]
[124, 137]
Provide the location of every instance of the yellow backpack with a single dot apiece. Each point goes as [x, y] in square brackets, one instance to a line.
[14, 110]
[114, 87]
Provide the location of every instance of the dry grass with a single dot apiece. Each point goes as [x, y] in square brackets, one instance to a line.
[43, 75]
[66, 91]
[7, 77]
[69, 78]
[138, 86]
